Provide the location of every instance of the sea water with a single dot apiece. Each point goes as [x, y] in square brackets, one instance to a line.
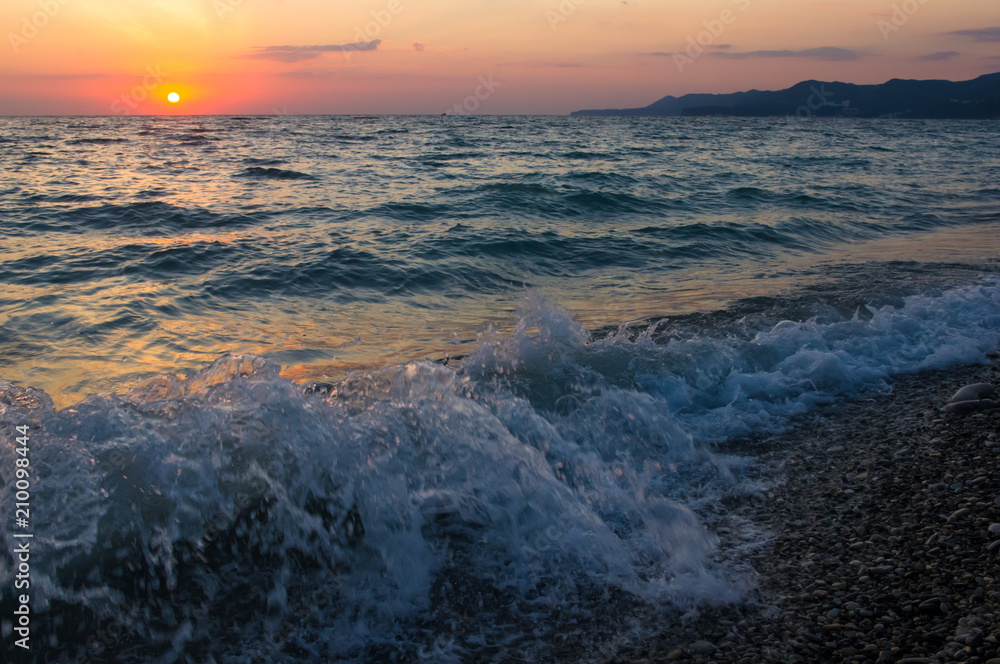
[446, 389]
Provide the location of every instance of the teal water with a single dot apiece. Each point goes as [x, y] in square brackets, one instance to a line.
[312, 389]
[134, 246]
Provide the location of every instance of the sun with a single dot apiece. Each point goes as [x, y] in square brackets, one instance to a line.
[173, 97]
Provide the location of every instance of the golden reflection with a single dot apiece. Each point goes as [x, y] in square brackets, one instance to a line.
[325, 341]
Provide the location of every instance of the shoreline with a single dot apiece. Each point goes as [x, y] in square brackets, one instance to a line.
[879, 512]
[870, 559]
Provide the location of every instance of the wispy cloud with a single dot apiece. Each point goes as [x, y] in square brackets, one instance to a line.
[940, 55]
[69, 77]
[830, 53]
[980, 34]
[300, 53]
[571, 65]
[670, 54]
[306, 74]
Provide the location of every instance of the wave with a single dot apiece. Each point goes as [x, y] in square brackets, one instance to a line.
[535, 196]
[545, 478]
[61, 198]
[95, 141]
[264, 161]
[588, 156]
[275, 174]
[355, 275]
[411, 211]
[144, 218]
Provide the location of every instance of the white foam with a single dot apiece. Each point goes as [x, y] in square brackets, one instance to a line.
[548, 462]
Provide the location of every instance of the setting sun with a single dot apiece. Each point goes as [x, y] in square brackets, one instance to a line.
[173, 97]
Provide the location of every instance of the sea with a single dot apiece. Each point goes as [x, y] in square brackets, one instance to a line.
[445, 389]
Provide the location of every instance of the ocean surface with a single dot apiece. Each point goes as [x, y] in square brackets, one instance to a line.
[449, 389]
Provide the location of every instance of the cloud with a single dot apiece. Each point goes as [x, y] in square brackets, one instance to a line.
[419, 46]
[940, 55]
[284, 56]
[830, 53]
[571, 65]
[71, 77]
[300, 53]
[670, 54]
[307, 74]
[980, 34]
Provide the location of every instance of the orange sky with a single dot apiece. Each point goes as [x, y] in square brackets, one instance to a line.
[425, 56]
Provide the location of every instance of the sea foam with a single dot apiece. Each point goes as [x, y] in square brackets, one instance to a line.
[548, 475]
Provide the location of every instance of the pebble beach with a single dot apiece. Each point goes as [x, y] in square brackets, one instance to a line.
[884, 539]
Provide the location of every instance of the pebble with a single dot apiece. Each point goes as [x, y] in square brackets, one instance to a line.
[702, 647]
[930, 606]
[995, 529]
[973, 392]
[962, 407]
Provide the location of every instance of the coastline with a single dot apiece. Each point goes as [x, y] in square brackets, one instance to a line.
[879, 512]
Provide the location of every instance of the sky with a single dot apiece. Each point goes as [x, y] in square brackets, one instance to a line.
[120, 57]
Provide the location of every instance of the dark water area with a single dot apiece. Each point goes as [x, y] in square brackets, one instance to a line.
[446, 389]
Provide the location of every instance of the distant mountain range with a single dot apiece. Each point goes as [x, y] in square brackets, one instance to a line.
[898, 98]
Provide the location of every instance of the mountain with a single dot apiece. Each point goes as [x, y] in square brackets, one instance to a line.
[898, 98]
